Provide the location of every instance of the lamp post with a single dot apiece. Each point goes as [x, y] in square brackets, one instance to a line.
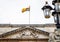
[56, 14]
[55, 37]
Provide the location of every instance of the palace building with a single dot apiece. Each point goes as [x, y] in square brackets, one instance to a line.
[25, 33]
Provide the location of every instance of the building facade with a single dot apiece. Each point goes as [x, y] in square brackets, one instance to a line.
[25, 33]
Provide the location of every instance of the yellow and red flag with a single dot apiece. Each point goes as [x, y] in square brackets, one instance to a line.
[25, 9]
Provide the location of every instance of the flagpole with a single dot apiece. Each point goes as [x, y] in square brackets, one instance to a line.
[29, 17]
[27, 9]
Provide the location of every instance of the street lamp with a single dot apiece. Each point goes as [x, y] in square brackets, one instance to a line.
[56, 17]
[55, 37]
[56, 3]
[56, 14]
[47, 10]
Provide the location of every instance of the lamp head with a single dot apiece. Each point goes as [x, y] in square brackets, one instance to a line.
[54, 14]
[55, 1]
[47, 9]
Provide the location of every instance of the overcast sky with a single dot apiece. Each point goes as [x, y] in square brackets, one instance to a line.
[10, 12]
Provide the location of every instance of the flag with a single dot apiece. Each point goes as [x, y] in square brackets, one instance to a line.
[25, 9]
